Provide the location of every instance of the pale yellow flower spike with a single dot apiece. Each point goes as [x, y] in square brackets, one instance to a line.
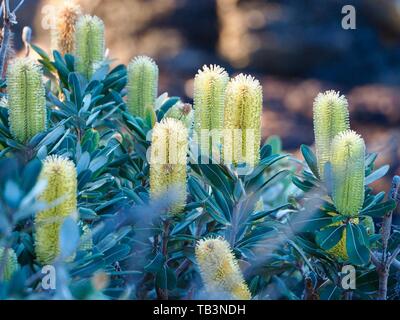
[219, 269]
[242, 125]
[168, 162]
[61, 177]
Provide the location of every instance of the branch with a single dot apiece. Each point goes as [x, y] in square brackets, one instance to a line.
[394, 256]
[18, 6]
[383, 267]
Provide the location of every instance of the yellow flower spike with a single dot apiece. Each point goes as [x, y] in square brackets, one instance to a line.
[242, 125]
[26, 99]
[168, 162]
[219, 269]
[331, 116]
[63, 34]
[89, 44]
[60, 195]
[142, 86]
[209, 100]
[8, 264]
[348, 171]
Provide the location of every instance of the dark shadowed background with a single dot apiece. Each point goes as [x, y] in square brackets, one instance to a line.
[296, 48]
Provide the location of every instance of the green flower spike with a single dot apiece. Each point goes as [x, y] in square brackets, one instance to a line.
[60, 195]
[209, 100]
[219, 269]
[90, 44]
[168, 162]
[331, 116]
[242, 125]
[348, 171]
[26, 99]
[142, 86]
[8, 264]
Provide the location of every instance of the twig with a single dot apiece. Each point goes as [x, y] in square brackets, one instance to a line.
[162, 294]
[385, 260]
[18, 6]
[9, 20]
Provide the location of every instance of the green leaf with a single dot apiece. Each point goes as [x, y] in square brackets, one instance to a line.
[310, 159]
[311, 219]
[379, 210]
[276, 144]
[303, 185]
[329, 237]
[189, 219]
[156, 264]
[377, 174]
[166, 278]
[357, 252]
[261, 214]
[69, 238]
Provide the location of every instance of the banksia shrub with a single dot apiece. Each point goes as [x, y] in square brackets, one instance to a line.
[90, 44]
[331, 116]
[168, 162]
[26, 99]
[348, 170]
[63, 33]
[60, 195]
[142, 85]
[209, 100]
[219, 269]
[242, 125]
[8, 264]
[183, 112]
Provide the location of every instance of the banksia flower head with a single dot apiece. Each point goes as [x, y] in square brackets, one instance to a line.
[142, 85]
[219, 269]
[168, 162]
[183, 112]
[90, 44]
[242, 125]
[209, 99]
[60, 195]
[26, 99]
[348, 170]
[63, 33]
[8, 264]
[331, 116]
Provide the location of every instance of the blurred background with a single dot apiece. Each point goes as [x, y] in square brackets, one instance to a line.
[296, 48]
